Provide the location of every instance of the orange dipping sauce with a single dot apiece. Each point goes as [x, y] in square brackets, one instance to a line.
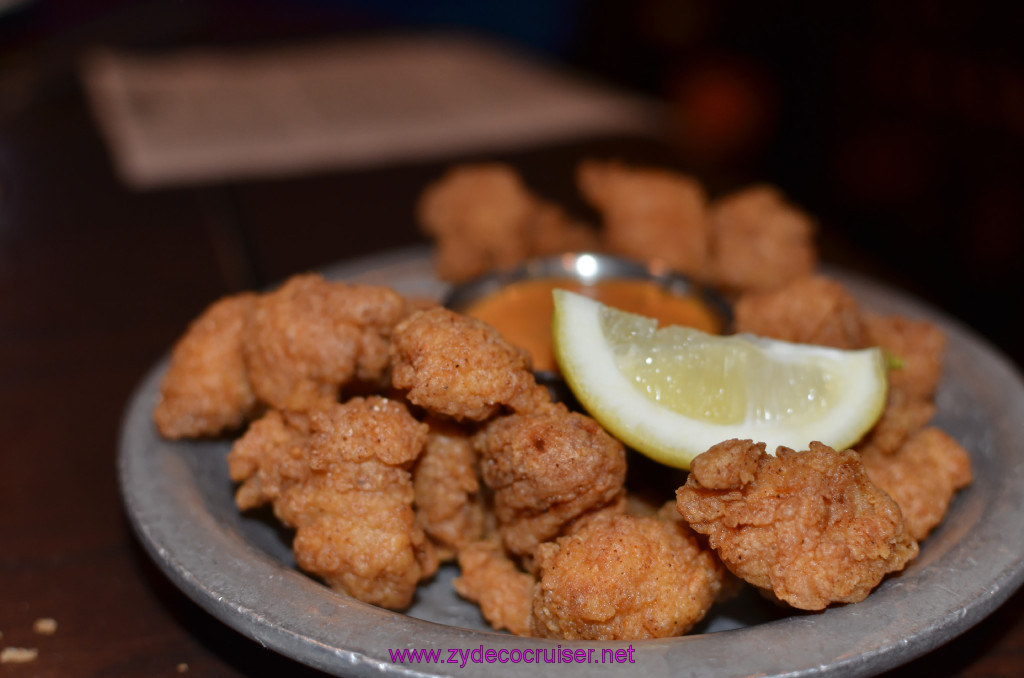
[522, 310]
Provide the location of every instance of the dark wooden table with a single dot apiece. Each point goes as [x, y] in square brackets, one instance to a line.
[96, 281]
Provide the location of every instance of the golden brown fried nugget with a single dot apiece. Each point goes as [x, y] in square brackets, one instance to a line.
[310, 337]
[270, 455]
[916, 346]
[461, 367]
[492, 581]
[649, 214]
[206, 388]
[346, 489]
[483, 218]
[809, 310]
[922, 476]
[478, 215]
[552, 231]
[759, 241]
[447, 487]
[623, 577]
[810, 527]
[546, 469]
[901, 417]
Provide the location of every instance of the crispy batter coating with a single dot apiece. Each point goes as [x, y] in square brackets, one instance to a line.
[642, 505]
[491, 579]
[623, 577]
[206, 388]
[901, 417]
[546, 469]
[810, 527]
[649, 214]
[461, 367]
[269, 456]
[483, 218]
[759, 241]
[552, 231]
[809, 310]
[346, 489]
[922, 476]
[447, 486]
[917, 346]
[310, 337]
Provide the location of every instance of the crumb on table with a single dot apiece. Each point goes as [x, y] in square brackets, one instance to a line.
[46, 626]
[18, 655]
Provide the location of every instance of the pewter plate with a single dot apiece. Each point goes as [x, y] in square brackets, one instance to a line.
[240, 568]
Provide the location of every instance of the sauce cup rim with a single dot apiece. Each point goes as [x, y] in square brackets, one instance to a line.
[588, 268]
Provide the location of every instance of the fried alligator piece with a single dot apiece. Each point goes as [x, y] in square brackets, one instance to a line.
[546, 469]
[290, 349]
[447, 486]
[491, 579]
[206, 388]
[922, 476]
[310, 336]
[347, 491]
[809, 527]
[759, 241]
[809, 310]
[623, 577]
[269, 456]
[552, 231]
[483, 218]
[461, 367]
[901, 417]
[916, 347]
[649, 214]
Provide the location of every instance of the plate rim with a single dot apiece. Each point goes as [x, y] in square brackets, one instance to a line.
[297, 645]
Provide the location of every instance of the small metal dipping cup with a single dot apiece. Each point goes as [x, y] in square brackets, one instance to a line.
[586, 268]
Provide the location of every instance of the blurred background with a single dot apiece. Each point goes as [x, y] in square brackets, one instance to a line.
[899, 125]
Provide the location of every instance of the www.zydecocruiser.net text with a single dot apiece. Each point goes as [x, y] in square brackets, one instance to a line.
[462, 657]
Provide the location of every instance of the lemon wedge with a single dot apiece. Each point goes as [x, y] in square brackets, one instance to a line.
[672, 393]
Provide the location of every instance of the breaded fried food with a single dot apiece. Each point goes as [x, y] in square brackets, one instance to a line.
[901, 417]
[809, 527]
[483, 218]
[915, 350]
[491, 579]
[290, 349]
[649, 214]
[552, 231]
[269, 456]
[809, 310]
[447, 490]
[347, 490]
[922, 476]
[206, 389]
[310, 337]
[916, 346]
[461, 367]
[759, 241]
[546, 469]
[623, 577]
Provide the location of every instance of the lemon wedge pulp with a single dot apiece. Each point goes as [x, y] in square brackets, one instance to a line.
[671, 393]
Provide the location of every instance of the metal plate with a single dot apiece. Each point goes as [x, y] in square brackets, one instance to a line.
[240, 567]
